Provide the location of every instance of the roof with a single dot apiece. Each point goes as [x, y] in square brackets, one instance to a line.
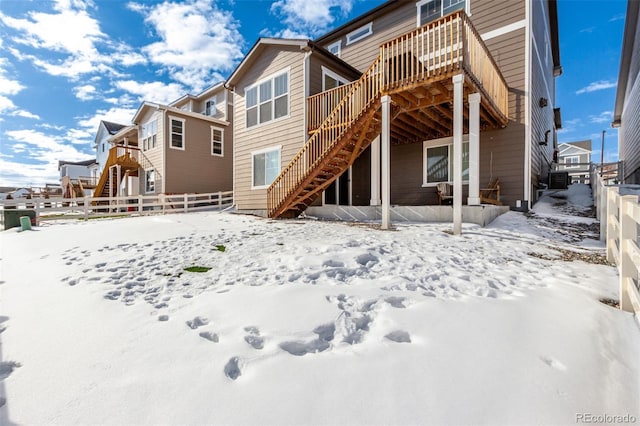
[303, 44]
[628, 39]
[85, 163]
[583, 145]
[112, 128]
[144, 105]
[555, 42]
[205, 92]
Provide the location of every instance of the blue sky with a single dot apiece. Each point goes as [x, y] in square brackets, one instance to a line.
[67, 64]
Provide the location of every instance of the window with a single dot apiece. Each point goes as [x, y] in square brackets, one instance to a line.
[572, 162]
[177, 132]
[331, 80]
[217, 138]
[150, 181]
[335, 48]
[268, 100]
[360, 33]
[149, 132]
[266, 167]
[430, 10]
[438, 162]
[102, 146]
[210, 107]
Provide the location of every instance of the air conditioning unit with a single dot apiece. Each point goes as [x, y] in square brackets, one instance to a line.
[558, 180]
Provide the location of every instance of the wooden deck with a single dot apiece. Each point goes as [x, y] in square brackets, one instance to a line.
[416, 71]
[124, 156]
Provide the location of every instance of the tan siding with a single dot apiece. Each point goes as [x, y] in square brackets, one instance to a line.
[194, 169]
[153, 158]
[316, 63]
[287, 132]
[489, 15]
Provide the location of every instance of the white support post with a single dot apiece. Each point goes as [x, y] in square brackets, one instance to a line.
[458, 89]
[385, 140]
[186, 203]
[219, 199]
[375, 172]
[474, 150]
[611, 208]
[628, 236]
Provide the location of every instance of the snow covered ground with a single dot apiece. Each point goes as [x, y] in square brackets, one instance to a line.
[308, 322]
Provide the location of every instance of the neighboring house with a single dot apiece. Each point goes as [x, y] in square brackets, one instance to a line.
[309, 115]
[184, 147]
[626, 115]
[575, 159]
[78, 178]
[106, 129]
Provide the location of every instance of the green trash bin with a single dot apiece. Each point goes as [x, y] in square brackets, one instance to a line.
[25, 223]
[11, 218]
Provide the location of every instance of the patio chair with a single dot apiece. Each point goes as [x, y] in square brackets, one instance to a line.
[445, 193]
[491, 194]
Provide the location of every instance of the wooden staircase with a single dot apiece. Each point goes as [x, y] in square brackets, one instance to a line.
[347, 131]
[125, 158]
[415, 70]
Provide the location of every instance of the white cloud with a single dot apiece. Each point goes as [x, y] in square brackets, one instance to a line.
[618, 17]
[7, 85]
[85, 92]
[286, 33]
[156, 91]
[43, 151]
[315, 17]
[115, 115]
[197, 43]
[603, 117]
[7, 107]
[597, 85]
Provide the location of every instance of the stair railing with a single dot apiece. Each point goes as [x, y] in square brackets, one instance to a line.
[360, 96]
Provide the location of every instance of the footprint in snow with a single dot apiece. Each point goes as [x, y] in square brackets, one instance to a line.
[254, 338]
[210, 336]
[7, 367]
[232, 368]
[197, 322]
[553, 363]
[399, 336]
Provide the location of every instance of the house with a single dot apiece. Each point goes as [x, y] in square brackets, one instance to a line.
[384, 108]
[106, 129]
[78, 178]
[626, 115]
[183, 147]
[575, 159]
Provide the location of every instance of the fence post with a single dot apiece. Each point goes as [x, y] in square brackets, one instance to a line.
[162, 200]
[608, 231]
[37, 213]
[86, 208]
[628, 235]
[140, 201]
[219, 199]
[186, 203]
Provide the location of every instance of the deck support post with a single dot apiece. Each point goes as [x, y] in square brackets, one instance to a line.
[474, 150]
[375, 172]
[458, 89]
[385, 139]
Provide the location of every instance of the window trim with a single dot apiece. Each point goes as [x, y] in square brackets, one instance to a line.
[256, 86]
[368, 27]
[221, 141]
[264, 151]
[571, 164]
[213, 101]
[326, 71]
[183, 121]
[420, 3]
[146, 181]
[150, 141]
[334, 44]
[436, 143]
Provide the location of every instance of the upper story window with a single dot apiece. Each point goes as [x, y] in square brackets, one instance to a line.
[335, 48]
[210, 107]
[430, 10]
[149, 181]
[572, 162]
[177, 132]
[268, 100]
[360, 33]
[149, 132]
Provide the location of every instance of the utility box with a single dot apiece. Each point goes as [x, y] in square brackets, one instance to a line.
[11, 218]
[558, 180]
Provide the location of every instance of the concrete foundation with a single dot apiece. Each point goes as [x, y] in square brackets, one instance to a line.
[480, 215]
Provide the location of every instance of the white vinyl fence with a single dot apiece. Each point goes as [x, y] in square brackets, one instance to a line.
[93, 207]
[619, 216]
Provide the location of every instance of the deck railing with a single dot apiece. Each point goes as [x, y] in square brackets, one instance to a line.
[360, 96]
[319, 106]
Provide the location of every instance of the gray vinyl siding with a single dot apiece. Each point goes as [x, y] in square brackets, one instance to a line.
[152, 158]
[629, 132]
[194, 169]
[289, 132]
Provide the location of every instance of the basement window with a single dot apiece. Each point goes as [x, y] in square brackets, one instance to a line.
[438, 161]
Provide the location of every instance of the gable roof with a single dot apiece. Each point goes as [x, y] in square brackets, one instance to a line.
[628, 40]
[262, 43]
[112, 128]
[85, 163]
[200, 95]
[146, 105]
[582, 145]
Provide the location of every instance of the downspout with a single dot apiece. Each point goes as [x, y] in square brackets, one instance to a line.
[165, 146]
[306, 70]
[527, 105]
